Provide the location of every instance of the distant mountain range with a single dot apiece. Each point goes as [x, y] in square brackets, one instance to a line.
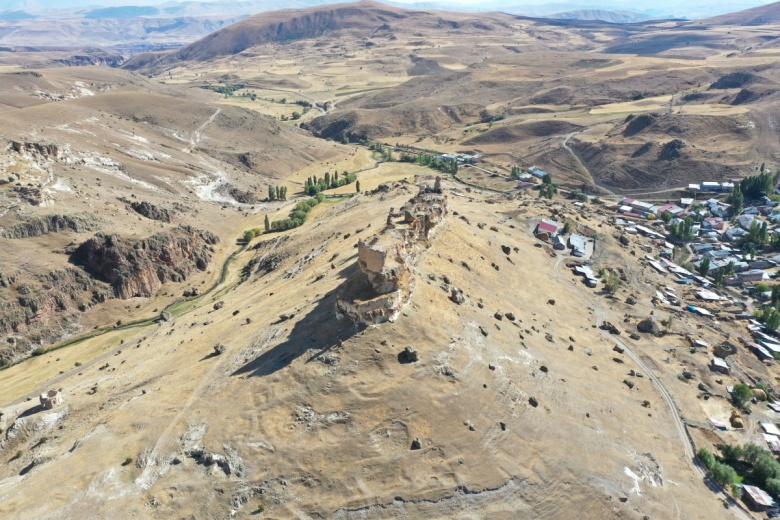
[141, 25]
[605, 16]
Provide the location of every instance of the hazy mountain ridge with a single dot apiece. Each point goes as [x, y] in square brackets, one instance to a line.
[604, 16]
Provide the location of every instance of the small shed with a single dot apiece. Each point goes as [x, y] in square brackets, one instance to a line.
[577, 243]
[559, 242]
[756, 498]
[717, 423]
[698, 343]
[720, 365]
[769, 428]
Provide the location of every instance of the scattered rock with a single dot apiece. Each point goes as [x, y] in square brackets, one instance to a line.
[533, 402]
[484, 331]
[635, 336]
[543, 369]
[456, 296]
[624, 240]
[608, 326]
[218, 305]
[648, 326]
[549, 337]
[506, 250]
[166, 316]
[416, 444]
[219, 348]
[551, 302]
[618, 349]
[191, 292]
[631, 300]
[410, 355]
[499, 315]
[510, 316]
[618, 360]
[628, 383]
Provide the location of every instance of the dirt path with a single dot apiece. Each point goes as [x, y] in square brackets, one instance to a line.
[195, 136]
[313, 101]
[679, 425]
[565, 144]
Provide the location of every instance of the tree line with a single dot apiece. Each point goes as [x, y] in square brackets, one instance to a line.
[314, 185]
[277, 192]
[757, 465]
[443, 165]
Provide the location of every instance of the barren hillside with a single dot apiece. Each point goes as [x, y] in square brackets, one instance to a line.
[303, 268]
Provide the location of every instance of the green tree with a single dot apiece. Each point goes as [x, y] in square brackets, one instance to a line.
[737, 200]
[724, 473]
[267, 224]
[775, 295]
[770, 317]
[567, 227]
[732, 453]
[772, 486]
[612, 282]
[706, 457]
[718, 278]
[704, 267]
[357, 186]
[296, 116]
[271, 193]
[741, 394]
[666, 216]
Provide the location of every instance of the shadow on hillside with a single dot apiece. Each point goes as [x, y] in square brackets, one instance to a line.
[314, 335]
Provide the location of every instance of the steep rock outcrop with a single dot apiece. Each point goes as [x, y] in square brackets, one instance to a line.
[140, 267]
[151, 211]
[41, 309]
[37, 226]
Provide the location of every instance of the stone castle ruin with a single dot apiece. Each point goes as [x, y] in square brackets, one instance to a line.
[385, 282]
[50, 399]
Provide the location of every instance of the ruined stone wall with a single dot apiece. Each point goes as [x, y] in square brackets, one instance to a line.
[386, 260]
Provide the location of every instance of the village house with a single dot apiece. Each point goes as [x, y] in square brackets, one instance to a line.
[548, 227]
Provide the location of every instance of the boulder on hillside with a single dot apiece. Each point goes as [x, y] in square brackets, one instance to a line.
[648, 326]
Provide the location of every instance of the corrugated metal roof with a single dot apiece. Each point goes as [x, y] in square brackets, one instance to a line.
[759, 496]
[769, 427]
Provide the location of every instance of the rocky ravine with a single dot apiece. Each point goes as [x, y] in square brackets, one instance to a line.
[40, 309]
[141, 267]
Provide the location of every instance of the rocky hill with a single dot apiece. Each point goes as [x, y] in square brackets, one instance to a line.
[761, 15]
[139, 268]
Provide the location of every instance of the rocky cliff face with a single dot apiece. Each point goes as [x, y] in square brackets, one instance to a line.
[141, 267]
[151, 211]
[37, 226]
[41, 309]
[49, 151]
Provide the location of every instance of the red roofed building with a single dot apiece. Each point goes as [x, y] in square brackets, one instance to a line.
[548, 226]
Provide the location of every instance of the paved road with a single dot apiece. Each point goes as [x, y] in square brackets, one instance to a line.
[679, 425]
